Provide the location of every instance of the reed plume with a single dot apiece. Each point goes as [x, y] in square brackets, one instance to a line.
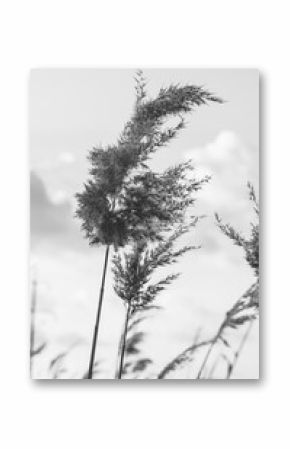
[133, 271]
[123, 200]
[244, 311]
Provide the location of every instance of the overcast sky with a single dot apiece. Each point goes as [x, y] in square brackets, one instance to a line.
[71, 110]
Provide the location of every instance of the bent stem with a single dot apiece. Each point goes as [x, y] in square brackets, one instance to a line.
[123, 343]
[240, 348]
[205, 360]
[98, 316]
[208, 353]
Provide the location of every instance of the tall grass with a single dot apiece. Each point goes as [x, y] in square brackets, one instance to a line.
[244, 311]
[124, 201]
[133, 363]
[133, 270]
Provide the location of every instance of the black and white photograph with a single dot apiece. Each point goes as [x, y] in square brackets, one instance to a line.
[144, 223]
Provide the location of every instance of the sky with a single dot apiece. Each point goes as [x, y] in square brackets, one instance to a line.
[70, 111]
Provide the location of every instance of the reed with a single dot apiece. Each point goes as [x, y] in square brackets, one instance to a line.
[133, 270]
[244, 311]
[125, 201]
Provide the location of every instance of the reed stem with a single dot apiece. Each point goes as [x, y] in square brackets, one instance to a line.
[240, 348]
[98, 316]
[123, 344]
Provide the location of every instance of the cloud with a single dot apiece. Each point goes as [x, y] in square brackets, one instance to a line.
[59, 196]
[46, 217]
[231, 164]
[52, 223]
[66, 157]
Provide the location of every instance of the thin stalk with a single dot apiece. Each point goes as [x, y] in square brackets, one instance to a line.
[119, 350]
[98, 316]
[123, 343]
[205, 359]
[32, 323]
[196, 337]
[212, 370]
[240, 348]
[212, 343]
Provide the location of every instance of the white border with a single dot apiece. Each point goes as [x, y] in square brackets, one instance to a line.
[151, 33]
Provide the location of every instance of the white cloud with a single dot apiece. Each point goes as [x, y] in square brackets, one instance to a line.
[231, 164]
[66, 157]
[59, 196]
